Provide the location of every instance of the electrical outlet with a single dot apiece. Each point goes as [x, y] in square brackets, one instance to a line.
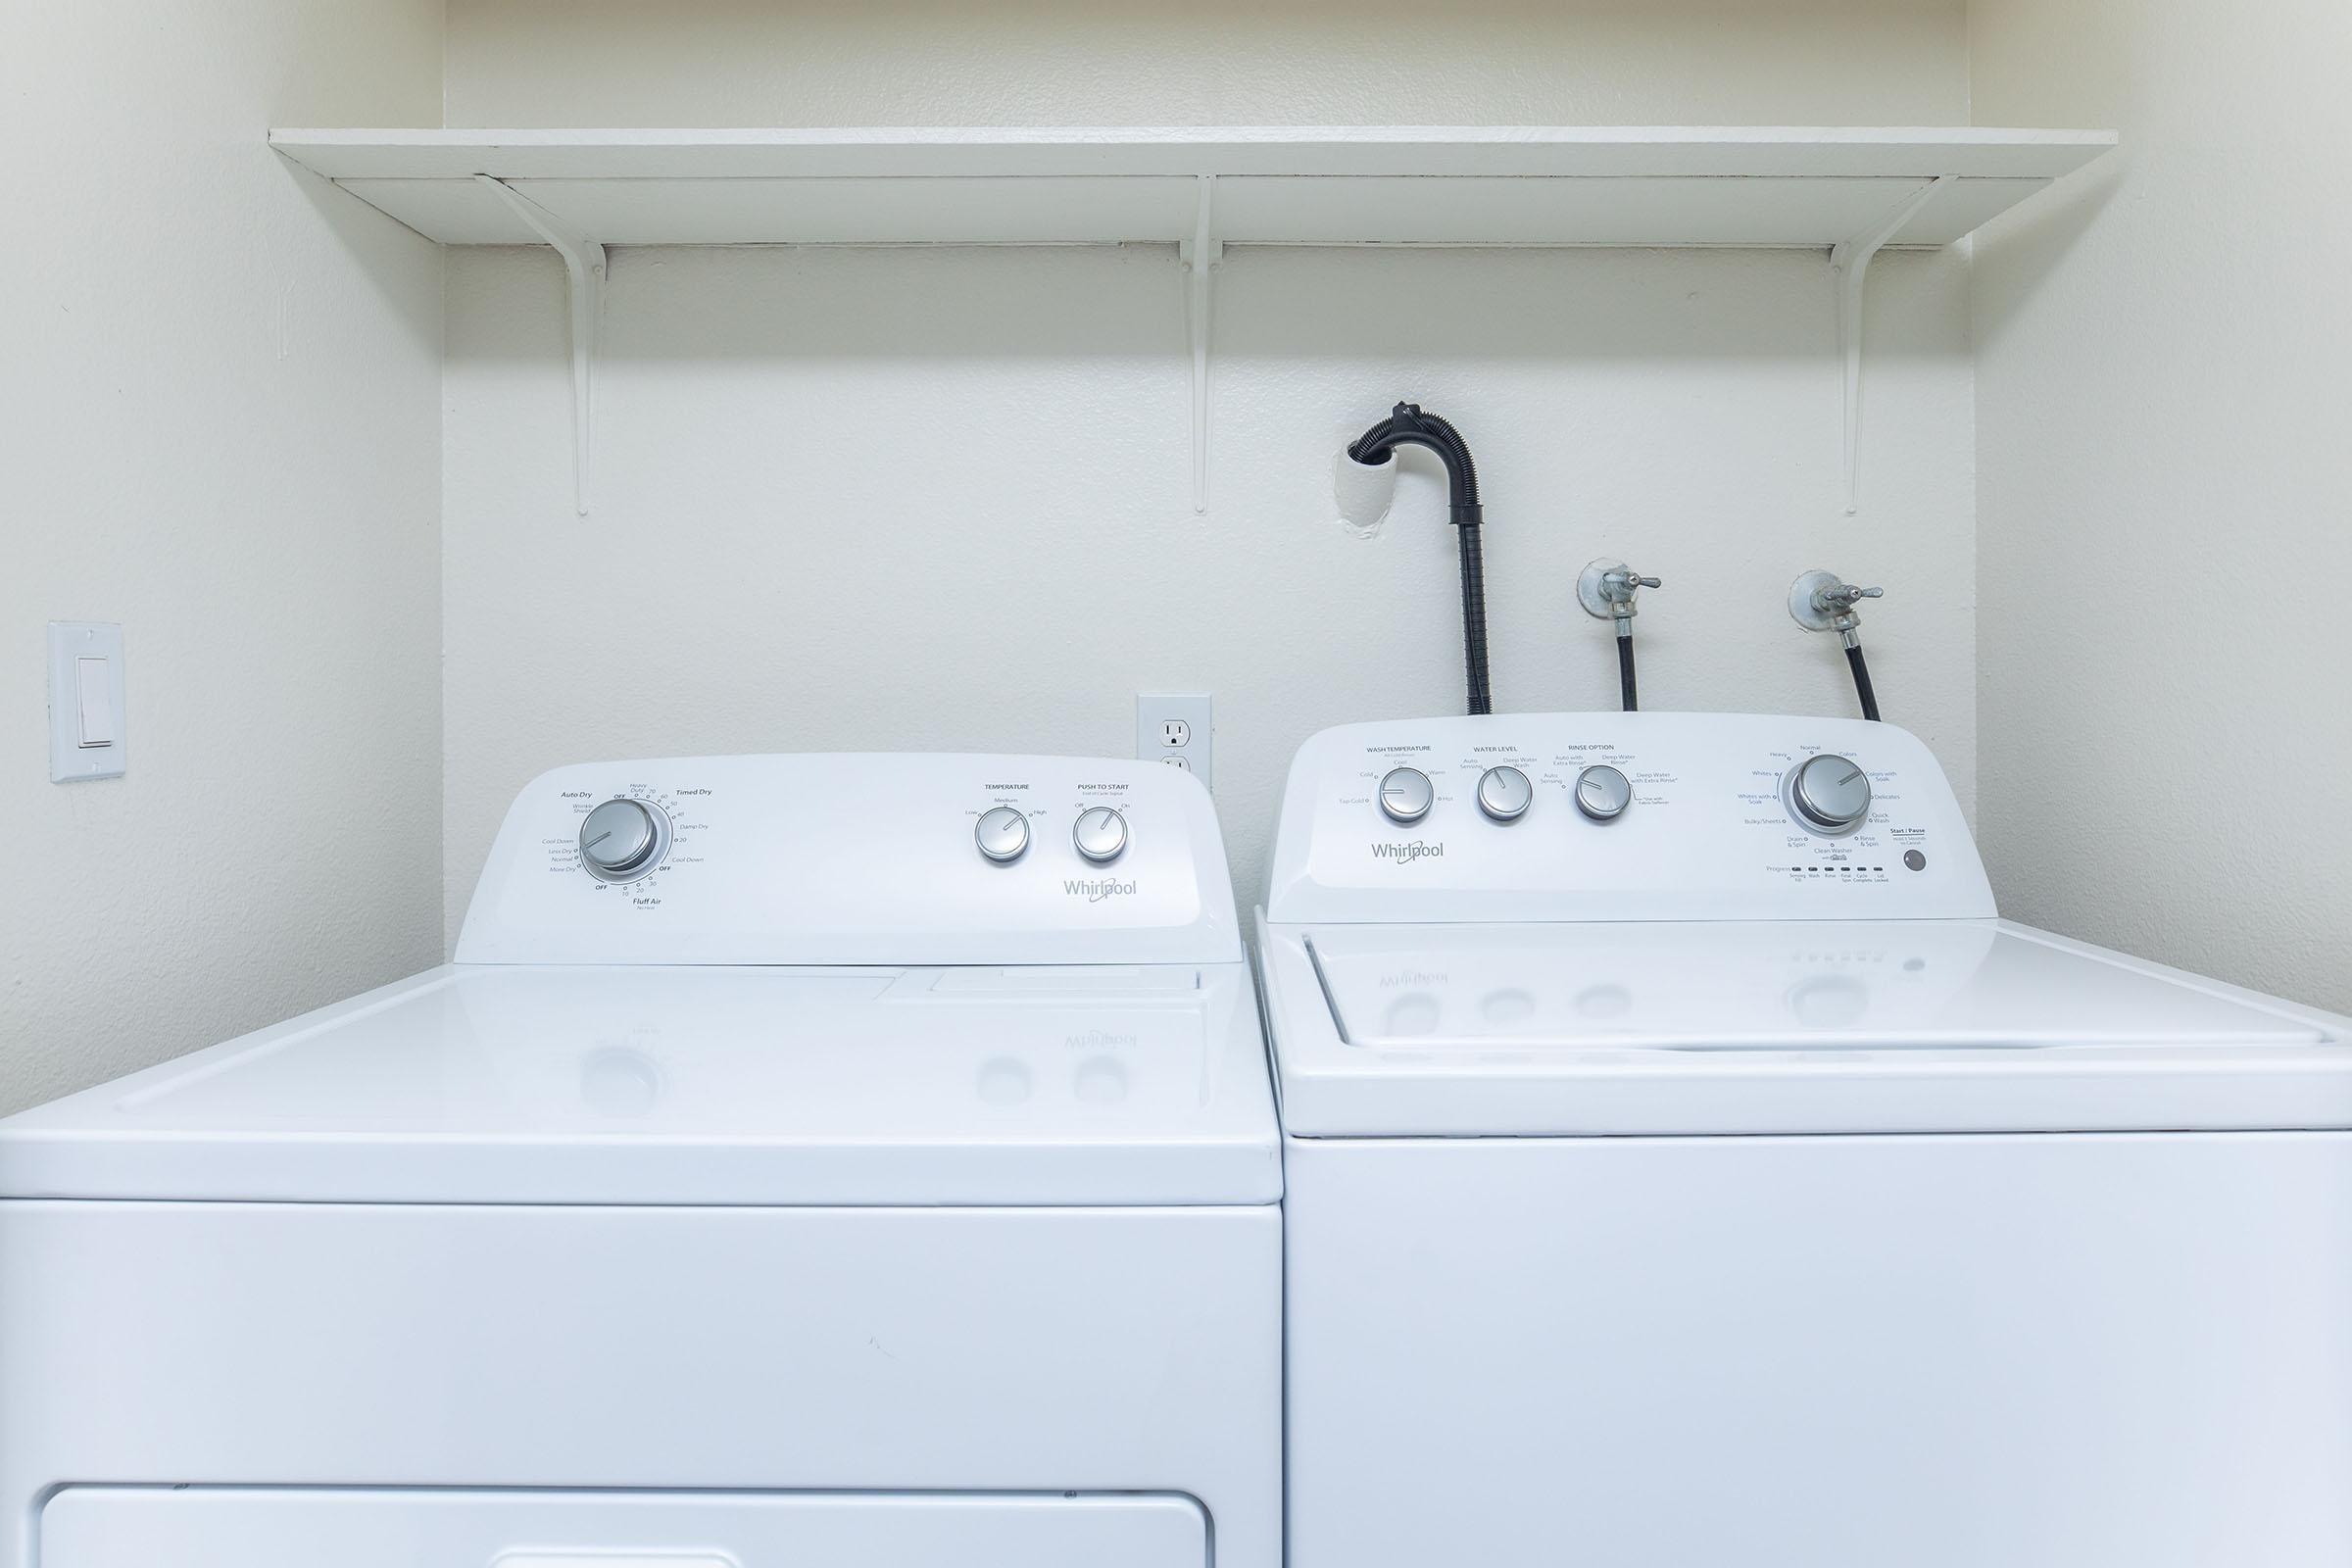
[1175, 728]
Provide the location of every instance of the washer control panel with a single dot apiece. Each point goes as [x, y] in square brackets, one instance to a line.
[855, 859]
[1621, 816]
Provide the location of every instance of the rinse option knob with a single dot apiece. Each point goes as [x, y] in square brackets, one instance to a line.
[1829, 794]
[623, 840]
[1504, 794]
[1404, 795]
[1001, 833]
[1602, 793]
[1101, 834]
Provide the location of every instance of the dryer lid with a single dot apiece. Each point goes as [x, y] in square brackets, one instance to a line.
[1081, 1085]
[1774, 1026]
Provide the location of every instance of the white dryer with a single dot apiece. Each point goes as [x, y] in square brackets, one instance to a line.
[806, 1159]
[1686, 1167]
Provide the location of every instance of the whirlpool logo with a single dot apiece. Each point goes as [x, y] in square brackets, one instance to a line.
[1096, 888]
[1407, 854]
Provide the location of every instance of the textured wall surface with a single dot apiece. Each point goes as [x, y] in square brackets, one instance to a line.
[936, 498]
[1214, 62]
[217, 426]
[2166, 489]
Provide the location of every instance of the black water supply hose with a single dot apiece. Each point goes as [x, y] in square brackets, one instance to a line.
[1861, 669]
[1407, 425]
[1624, 668]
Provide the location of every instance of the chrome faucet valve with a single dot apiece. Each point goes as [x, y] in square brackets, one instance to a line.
[1608, 590]
[1820, 601]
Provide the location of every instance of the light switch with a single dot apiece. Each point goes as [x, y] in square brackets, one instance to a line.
[85, 700]
[94, 687]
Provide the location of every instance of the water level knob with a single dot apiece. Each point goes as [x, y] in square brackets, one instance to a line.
[1830, 794]
[622, 839]
[1504, 794]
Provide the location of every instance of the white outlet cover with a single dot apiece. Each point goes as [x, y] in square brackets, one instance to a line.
[1153, 710]
[70, 642]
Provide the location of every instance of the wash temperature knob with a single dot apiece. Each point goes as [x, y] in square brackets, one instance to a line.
[1405, 795]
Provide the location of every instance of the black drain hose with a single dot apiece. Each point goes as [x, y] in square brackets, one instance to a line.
[1407, 425]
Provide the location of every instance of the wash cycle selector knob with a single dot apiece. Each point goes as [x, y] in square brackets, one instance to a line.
[1602, 793]
[623, 840]
[1504, 794]
[1405, 795]
[1101, 834]
[1002, 834]
[1829, 794]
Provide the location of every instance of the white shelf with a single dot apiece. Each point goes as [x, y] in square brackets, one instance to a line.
[1848, 190]
[1445, 186]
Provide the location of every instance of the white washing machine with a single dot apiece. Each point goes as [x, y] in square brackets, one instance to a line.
[1686, 1167]
[806, 1160]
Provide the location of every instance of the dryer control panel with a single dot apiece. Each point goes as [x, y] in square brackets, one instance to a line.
[895, 859]
[1621, 816]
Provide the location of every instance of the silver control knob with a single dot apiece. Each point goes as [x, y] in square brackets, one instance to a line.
[1829, 794]
[1405, 795]
[621, 840]
[1002, 834]
[1101, 834]
[1504, 794]
[1602, 793]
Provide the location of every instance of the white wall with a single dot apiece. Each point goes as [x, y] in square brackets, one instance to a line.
[217, 426]
[918, 499]
[2162, 366]
[1210, 62]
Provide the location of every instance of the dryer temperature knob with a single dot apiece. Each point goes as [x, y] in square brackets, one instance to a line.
[1001, 834]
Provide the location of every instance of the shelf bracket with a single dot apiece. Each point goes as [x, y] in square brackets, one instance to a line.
[1850, 260]
[1201, 256]
[584, 261]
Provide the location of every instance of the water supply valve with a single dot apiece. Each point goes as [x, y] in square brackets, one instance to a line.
[1608, 590]
[1820, 601]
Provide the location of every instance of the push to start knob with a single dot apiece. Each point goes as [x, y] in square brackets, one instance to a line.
[621, 840]
[1100, 834]
[1001, 833]
[1504, 794]
[1404, 795]
[1830, 794]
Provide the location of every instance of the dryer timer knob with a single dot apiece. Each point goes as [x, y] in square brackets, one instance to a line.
[621, 840]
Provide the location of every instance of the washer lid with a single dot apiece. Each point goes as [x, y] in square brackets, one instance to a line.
[1094, 1085]
[1775, 1027]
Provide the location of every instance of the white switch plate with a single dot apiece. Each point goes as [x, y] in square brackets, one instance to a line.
[71, 643]
[1175, 728]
